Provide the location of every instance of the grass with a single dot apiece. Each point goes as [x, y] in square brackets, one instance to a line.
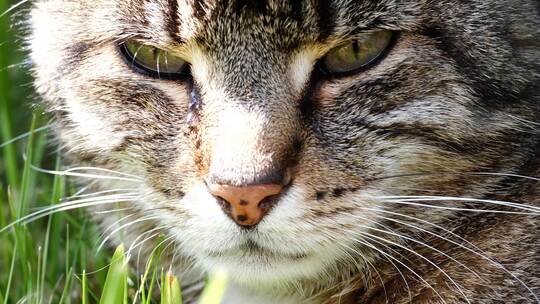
[53, 259]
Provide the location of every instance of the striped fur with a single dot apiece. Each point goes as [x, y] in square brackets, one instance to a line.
[458, 94]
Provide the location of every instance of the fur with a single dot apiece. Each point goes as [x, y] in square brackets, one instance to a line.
[450, 111]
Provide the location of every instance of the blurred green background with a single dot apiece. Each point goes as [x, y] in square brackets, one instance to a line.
[39, 262]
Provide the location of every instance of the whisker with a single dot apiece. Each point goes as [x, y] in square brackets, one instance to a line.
[530, 124]
[124, 226]
[82, 190]
[380, 278]
[428, 198]
[401, 236]
[74, 169]
[134, 245]
[384, 255]
[169, 239]
[114, 210]
[24, 135]
[68, 206]
[72, 172]
[354, 261]
[141, 286]
[368, 244]
[419, 174]
[402, 277]
[87, 199]
[422, 221]
[445, 208]
[13, 7]
[128, 190]
[476, 251]
[116, 222]
[413, 252]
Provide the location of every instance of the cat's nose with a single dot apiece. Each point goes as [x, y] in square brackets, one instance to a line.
[246, 205]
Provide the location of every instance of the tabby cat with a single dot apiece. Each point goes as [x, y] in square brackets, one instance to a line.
[318, 151]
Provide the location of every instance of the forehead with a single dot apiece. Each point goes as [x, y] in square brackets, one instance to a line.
[280, 23]
[283, 19]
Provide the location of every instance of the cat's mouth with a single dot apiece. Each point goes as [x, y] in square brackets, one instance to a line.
[250, 249]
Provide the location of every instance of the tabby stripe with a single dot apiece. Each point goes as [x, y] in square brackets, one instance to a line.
[199, 11]
[74, 54]
[257, 7]
[173, 22]
[325, 19]
[426, 133]
[489, 90]
[296, 11]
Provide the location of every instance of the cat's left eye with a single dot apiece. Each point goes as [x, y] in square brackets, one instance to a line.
[358, 53]
[153, 61]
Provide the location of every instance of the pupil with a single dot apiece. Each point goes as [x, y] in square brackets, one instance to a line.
[355, 48]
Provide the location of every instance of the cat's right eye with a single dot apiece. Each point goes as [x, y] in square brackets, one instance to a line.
[154, 62]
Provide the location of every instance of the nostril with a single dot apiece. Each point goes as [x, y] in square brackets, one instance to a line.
[268, 202]
[226, 206]
[241, 218]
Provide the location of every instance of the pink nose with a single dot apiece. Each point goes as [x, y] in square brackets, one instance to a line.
[246, 205]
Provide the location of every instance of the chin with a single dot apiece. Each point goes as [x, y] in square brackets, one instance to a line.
[259, 268]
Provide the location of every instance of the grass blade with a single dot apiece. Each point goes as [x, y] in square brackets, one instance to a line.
[6, 133]
[215, 289]
[114, 290]
[171, 293]
[10, 277]
[84, 289]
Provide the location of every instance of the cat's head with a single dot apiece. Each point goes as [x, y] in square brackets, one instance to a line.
[271, 136]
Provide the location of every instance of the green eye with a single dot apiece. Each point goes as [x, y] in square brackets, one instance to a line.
[358, 53]
[153, 61]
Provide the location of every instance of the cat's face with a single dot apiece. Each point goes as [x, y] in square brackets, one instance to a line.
[443, 96]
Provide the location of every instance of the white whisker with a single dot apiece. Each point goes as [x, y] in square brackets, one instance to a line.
[24, 135]
[13, 7]
[369, 245]
[81, 191]
[68, 206]
[124, 226]
[445, 208]
[401, 236]
[415, 253]
[134, 245]
[475, 250]
[427, 198]
[72, 172]
[126, 190]
[420, 174]
[75, 169]
[114, 210]
[118, 221]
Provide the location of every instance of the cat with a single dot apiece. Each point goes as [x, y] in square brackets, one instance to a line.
[319, 151]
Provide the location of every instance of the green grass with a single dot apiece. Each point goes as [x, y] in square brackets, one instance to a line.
[53, 259]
